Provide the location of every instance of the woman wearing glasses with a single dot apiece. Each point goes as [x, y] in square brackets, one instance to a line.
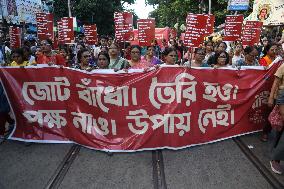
[251, 54]
[199, 59]
[136, 62]
[83, 58]
[221, 59]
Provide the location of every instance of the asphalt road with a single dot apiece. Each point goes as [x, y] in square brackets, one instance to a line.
[235, 163]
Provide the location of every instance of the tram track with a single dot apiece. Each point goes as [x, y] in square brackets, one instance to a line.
[158, 170]
[59, 174]
[264, 171]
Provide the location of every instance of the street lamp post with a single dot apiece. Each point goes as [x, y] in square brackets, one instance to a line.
[69, 8]
[209, 7]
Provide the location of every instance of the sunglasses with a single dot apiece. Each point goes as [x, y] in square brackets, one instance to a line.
[102, 58]
[87, 56]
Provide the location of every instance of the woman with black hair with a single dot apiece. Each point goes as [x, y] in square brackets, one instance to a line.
[221, 59]
[136, 62]
[18, 58]
[251, 54]
[150, 56]
[103, 60]
[83, 58]
[269, 55]
[170, 56]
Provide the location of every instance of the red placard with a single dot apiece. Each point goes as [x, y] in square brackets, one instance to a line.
[170, 107]
[196, 25]
[123, 23]
[210, 22]
[41, 25]
[49, 26]
[251, 33]
[233, 27]
[146, 31]
[45, 26]
[65, 30]
[15, 34]
[160, 34]
[91, 34]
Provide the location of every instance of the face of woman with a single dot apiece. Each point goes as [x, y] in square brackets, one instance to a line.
[272, 51]
[113, 50]
[251, 57]
[222, 47]
[85, 58]
[222, 59]
[104, 50]
[209, 47]
[239, 48]
[17, 58]
[103, 62]
[135, 54]
[171, 58]
[150, 51]
[63, 53]
[200, 55]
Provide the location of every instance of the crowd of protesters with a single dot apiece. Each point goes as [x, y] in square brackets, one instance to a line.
[107, 54]
[209, 54]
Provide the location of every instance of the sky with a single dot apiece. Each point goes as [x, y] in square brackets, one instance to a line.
[140, 8]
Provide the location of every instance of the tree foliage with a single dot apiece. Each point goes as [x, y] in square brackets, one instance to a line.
[99, 12]
[170, 12]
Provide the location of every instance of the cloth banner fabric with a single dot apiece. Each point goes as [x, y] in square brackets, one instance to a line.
[168, 107]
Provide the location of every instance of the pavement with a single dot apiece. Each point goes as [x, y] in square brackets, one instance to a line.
[219, 165]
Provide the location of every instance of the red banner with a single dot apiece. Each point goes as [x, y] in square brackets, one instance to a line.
[146, 31]
[195, 29]
[233, 27]
[91, 34]
[65, 30]
[15, 34]
[170, 107]
[251, 33]
[123, 23]
[44, 26]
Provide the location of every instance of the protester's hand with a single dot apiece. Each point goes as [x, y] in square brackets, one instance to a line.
[115, 69]
[89, 69]
[50, 63]
[126, 70]
[270, 102]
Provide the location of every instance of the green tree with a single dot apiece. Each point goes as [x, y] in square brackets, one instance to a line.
[170, 12]
[99, 12]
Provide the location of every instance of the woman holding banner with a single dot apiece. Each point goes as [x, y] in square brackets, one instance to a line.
[199, 59]
[18, 58]
[251, 54]
[170, 56]
[83, 58]
[116, 62]
[221, 60]
[136, 62]
[49, 57]
[149, 57]
[103, 60]
[270, 52]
